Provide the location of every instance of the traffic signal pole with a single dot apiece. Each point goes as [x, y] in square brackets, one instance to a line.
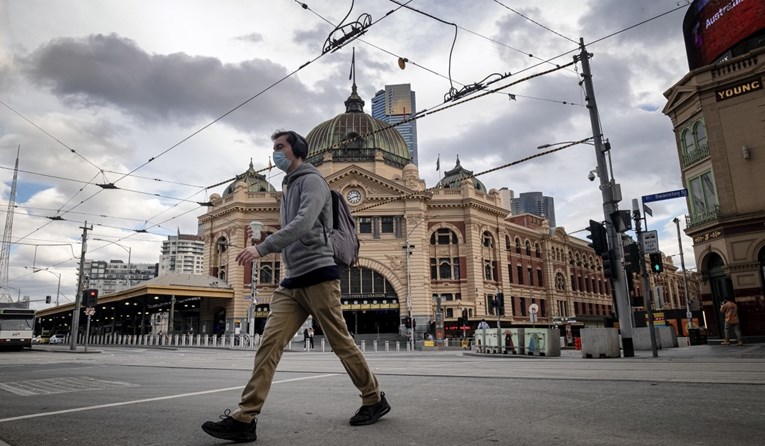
[644, 276]
[75, 329]
[611, 197]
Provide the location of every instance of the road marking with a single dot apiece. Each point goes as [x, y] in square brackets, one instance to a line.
[51, 386]
[147, 400]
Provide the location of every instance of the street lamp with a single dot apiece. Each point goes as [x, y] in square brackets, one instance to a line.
[58, 289]
[409, 248]
[129, 250]
[688, 313]
[256, 228]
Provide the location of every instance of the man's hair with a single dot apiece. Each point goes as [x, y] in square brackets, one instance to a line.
[298, 143]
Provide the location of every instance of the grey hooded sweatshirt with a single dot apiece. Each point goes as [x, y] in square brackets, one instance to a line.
[302, 240]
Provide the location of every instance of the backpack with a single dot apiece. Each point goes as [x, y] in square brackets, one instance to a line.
[345, 242]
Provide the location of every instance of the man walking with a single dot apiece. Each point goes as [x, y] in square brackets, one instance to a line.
[730, 310]
[311, 287]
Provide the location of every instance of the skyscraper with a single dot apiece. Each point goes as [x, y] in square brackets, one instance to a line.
[182, 254]
[394, 104]
[534, 203]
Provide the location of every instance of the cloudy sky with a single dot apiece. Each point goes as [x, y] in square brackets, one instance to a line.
[92, 91]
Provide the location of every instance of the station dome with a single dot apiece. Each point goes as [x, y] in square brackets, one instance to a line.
[254, 181]
[453, 178]
[355, 136]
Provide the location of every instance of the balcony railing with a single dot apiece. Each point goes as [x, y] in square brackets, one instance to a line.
[702, 217]
[701, 152]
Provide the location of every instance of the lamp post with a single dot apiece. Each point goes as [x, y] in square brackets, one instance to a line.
[688, 313]
[409, 248]
[127, 249]
[58, 288]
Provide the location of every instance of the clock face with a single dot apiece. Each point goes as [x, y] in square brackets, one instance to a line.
[354, 196]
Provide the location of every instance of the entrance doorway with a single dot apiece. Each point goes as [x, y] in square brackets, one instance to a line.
[721, 286]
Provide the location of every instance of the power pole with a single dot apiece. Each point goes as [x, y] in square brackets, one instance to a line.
[80, 282]
[611, 193]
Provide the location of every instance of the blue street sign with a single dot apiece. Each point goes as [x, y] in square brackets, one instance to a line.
[665, 195]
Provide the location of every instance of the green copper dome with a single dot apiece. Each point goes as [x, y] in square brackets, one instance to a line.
[453, 178]
[255, 182]
[352, 124]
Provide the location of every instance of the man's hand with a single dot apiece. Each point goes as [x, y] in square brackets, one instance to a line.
[247, 255]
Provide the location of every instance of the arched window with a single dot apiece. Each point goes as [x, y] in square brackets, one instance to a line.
[687, 139]
[538, 250]
[528, 248]
[443, 236]
[488, 240]
[700, 134]
[560, 282]
[508, 243]
[517, 245]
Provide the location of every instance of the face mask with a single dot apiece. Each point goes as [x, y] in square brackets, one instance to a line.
[281, 161]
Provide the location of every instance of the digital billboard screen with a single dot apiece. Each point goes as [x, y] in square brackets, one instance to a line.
[712, 27]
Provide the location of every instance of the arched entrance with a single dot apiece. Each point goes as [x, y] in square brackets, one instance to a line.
[721, 287]
[370, 303]
[761, 260]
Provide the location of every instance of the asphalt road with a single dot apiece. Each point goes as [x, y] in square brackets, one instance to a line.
[703, 395]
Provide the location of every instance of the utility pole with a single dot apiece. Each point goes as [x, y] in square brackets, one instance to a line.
[611, 193]
[644, 276]
[75, 331]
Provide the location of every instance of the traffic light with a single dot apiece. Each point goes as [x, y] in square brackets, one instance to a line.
[609, 267]
[501, 304]
[47, 299]
[632, 258]
[657, 265]
[90, 297]
[599, 237]
[408, 322]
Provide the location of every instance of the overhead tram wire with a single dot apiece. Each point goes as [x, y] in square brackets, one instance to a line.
[426, 112]
[411, 62]
[206, 126]
[226, 114]
[637, 24]
[51, 136]
[536, 23]
[493, 169]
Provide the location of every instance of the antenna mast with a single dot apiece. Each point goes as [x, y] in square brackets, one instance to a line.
[5, 254]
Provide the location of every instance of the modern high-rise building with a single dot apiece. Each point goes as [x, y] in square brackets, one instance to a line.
[534, 203]
[394, 104]
[183, 254]
[115, 275]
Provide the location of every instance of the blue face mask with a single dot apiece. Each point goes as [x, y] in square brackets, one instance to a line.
[281, 161]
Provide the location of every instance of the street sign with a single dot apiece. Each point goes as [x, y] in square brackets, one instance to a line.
[90, 311]
[533, 308]
[650, 240]
[665, 195]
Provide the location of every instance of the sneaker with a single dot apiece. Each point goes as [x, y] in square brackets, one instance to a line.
[370, 414]
[739, 344]
[231, 429]
[725, 343]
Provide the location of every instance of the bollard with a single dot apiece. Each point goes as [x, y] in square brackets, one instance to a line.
[322, 345]
[374, 345]
[398, 346]
[363, 345]
[387, 346]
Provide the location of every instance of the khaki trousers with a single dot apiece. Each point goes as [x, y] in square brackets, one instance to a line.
[289, 309]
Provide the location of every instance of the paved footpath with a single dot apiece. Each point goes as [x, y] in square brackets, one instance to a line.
[700, 395]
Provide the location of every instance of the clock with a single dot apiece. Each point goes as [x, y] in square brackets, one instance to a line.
[353, 196]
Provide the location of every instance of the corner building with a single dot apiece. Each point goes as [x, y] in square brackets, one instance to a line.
[455, 242]
[717, 114]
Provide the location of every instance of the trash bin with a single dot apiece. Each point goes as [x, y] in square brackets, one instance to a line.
[577, 343]
[696, 337]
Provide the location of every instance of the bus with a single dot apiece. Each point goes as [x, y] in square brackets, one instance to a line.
[16, 328]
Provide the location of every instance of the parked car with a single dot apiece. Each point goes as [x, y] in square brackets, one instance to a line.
[40, 339]
[56, 339]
